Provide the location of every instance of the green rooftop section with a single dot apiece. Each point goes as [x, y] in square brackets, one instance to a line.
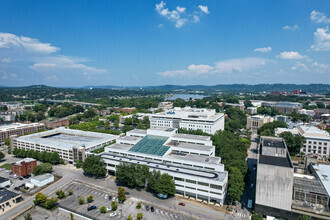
[151, 144]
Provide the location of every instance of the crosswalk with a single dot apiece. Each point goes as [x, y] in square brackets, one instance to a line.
[242, 215]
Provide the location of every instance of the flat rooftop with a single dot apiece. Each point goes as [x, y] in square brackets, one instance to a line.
[273, 143]
[42, 177]
[275, 161]
[191, 146]
[128, 138]
[151, 144]
[313, 132]
[2, 179]
[5, 195]
[14, 126]
[192, 137]
[67, 138]
[196, 158]
[26, 160]
[323, 172]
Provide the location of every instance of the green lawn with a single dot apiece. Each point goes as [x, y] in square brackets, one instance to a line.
[6, 166]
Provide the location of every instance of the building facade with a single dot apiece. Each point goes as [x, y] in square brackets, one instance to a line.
[188, 118]
[42, 180]
[8, 199]
[257, 121]
[317, 141]
[4, 182]
[189, 159]
[23, 167]
[57, 123]
[18, 129]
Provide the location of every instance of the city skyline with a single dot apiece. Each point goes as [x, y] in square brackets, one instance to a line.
[145, 43]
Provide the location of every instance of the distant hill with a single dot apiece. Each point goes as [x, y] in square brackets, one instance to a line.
[314, 88]
[310, 88]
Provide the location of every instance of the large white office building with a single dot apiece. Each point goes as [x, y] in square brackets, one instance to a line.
[317, 140]
[188, 118]
[189, 159]
[71, 145]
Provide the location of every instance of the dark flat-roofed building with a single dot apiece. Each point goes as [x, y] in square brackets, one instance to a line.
[8, 199]
[274, 179]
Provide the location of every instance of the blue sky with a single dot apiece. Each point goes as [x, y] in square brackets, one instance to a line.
[140, 43]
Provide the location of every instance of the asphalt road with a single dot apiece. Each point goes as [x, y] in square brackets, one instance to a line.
[251, 160]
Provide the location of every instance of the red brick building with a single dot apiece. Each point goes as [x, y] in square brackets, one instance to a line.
[23, 167]
[57, 123]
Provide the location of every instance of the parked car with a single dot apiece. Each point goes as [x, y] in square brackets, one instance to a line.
[91, 207]
[152, 209]
[113, 214]
[162, 196]
[252, 185]
[114, 199]
[16, 188]
[8, 186]
[12, 184]
[20, 178]
[182, 204]
[147, 208]
[127, 193]
[109, 209]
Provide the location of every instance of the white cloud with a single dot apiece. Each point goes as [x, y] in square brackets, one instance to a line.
[319, 17]
[204, 9]
[10, 41]
[222, 67]
[65, 62]
[263, 49]
[196, 18]
[180, 9]
[301, 67]
[239, 65]
[290, 55]
[320, 65]
[20, 52]
[5, 60]
[290, 28]
[178, 15]
[321, 40]
[160, 25]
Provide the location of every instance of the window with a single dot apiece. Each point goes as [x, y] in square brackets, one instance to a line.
[216, 193]
[187, 187]
[190, 181]
[216, 186]
[179, 179]
[203, 184]
[202, 190]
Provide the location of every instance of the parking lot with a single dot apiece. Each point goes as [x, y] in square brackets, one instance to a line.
[101, 198]
[15, 181]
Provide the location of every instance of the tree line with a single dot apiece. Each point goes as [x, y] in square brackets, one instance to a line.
[136, 175]
[44, 156]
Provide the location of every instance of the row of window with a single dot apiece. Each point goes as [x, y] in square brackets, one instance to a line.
[202, 190]
[213, 186]
[320, 143]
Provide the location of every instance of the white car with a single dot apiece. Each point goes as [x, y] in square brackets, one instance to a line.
[12, 184]
[114, 199]
[113, 214]
[109, 209]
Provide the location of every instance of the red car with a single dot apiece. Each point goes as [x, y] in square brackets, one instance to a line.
[182, 204]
